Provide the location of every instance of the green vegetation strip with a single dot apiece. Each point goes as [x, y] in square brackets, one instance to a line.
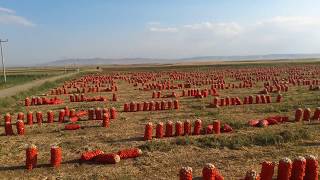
[264, 137]
[11, 103]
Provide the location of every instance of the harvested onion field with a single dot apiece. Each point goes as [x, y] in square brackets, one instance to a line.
[247, 113]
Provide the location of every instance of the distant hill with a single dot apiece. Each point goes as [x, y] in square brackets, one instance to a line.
[110, 61]
[105, 61]
[254, 57]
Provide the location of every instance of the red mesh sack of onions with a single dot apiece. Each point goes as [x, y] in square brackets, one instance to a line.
[89, 155]
[107, 158]
[72, 127]
[129, 153]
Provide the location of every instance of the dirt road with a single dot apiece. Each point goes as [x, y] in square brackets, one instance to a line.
[23, 87]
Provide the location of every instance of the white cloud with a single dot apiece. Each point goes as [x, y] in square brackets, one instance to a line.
[6, 10]
[8, 16]
[280, 34]
[166, 29]
[291, 20]
[228, 29]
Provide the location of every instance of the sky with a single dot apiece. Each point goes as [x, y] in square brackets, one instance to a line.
[40, 31]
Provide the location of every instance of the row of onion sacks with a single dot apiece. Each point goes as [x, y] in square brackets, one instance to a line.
[180, 129]
[150, 106]
[301, 168]
[19, 125]
[38, 116]
[97, 113]
[209, 172]
[32, 156]
[306, 114]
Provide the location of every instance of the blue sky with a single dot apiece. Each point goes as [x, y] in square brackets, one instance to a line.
[46, 30]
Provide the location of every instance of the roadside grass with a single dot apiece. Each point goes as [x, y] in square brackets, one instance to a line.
[15, 103]
[18, 79]
[263, 138]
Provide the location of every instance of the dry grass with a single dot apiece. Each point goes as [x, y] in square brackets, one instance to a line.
[233, 153]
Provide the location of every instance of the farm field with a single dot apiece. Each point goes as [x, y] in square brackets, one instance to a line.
[18, 76]
[223, 96]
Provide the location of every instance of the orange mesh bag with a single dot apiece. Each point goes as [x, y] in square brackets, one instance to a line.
[7, 117]
[169, 129]
[298, 115]
[159, 130]
[209, 129]
[148, 131]
[139, 107]
[72, 113]
[187, 127]
[268, 98]
[258, 99]
[98, 113]
[31, 157]
[129, 153]
[56, 156]
[27, 101]
[30, 118]
[113, 113]
[91, 113]
[279, 98]
[50, 116]
[298, 168]
[163, 105]
[126, 107]
[178, 128]
[263, 99]
[226, 128]
[267, 170]
[216, 126]
[222, 102]
[250, 99]
[312, 168]
[197, 127]
[185, 173]
[227, 100]
[114, 97]
[105, 120]
[105, 110]
[151, 106]
[218, 176]
[89, 155]
[133, 107]
[20, 116]
[72, 127]
[39, 117]
[215, 102]
[20, 127]
[316, 115]
[8, 129]
[263, 123]
[67, 111]
[158, 106]
[209, 172]
[61, 115]
[107, 158]
[306, 114]
[145, 106]
[284, 169]
[170, 104]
